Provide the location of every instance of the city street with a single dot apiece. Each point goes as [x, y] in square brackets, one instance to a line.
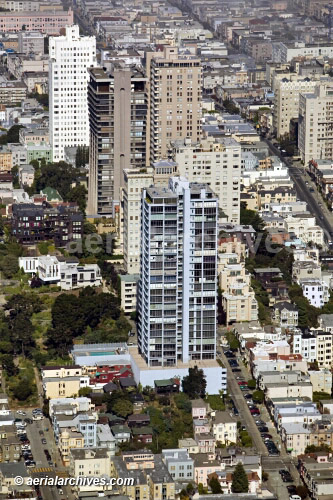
[324, 217]
[270, 464]
[42, 468]
[244, 413]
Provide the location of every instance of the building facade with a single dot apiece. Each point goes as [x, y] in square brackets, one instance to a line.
[178, 285]
[134, 181]
[286, 100]
[217, 163]
[70, 56]
[48, 22]
[117, 119]
[175, 100]
[315, 124]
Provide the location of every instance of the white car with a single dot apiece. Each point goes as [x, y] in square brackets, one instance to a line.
[25, 447]
[20, 412]
[20, 431]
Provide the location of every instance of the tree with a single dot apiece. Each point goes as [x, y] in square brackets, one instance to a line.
[82, 156]
[240, 482]
[313, 448]
[84, 391]
[13, 134]
[301, 491]
[194, 384]
[123, 408]
[215, 485]
[190, 489]
[36, 282]
[317, 396]
[23, 390]
[200, 489]
[8, 365]
[250, 217]
[78, 195]
[59, 176]
[9, 266]
[265, 476]
[246, 439]
[182, 401]
[258, 396]
[230, 107]
[251, 384]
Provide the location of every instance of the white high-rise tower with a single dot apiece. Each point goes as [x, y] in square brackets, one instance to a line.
[70, 57]
[178, 284]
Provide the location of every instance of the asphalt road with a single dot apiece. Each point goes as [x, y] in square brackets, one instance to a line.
[42, 467]
[303, 192]
[272, 465]
[244, 413]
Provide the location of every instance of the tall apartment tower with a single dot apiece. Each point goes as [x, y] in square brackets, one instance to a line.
[216, 162]
[178, 283]
[117, 100]
[286, 100]
[315, 123]
[175, 100]
[70, 56]
[134, 181]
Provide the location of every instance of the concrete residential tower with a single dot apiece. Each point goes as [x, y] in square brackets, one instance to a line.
[117, 118]
[216, 163]
[70, 56]
[175, 100]
[315, 124]
[178, 286]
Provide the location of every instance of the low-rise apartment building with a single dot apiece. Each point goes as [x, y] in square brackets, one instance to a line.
[128, 292]
[321, 380]
[224, 428]
[89, 462]
[180, 465]
[285, 314]
[63, 381]
[316, 291]
[12, 92]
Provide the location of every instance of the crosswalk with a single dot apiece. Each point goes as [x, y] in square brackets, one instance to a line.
[47, 471]
[38, 470]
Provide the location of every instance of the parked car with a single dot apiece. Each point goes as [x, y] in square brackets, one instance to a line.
[263, 428]
[43, 441]
[254, 411]
[41, 433]
[20, 412]
[291, 488]
[266, 436]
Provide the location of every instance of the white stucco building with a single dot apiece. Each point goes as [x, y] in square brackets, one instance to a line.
[316, 291]
[70, 56]
[66, 273]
